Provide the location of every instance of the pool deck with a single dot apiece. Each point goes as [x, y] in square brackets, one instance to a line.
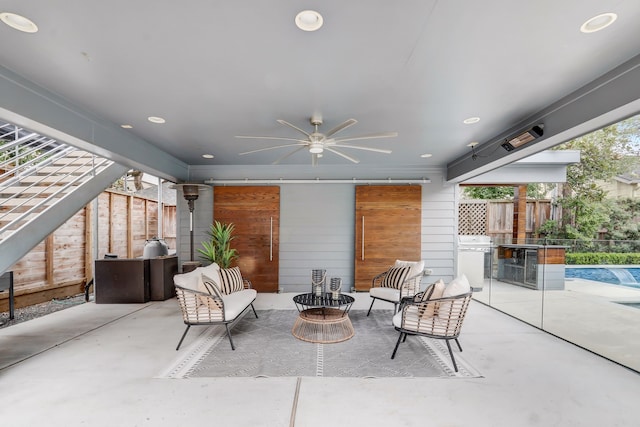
[587, 313]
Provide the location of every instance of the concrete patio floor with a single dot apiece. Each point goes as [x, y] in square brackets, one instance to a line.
[593, 315]
[96, 365]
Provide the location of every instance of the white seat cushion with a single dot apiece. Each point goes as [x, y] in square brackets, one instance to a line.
[387, 294]
[397, 319]
[236, 302]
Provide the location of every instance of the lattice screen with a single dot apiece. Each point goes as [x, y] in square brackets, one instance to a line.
[472, 219]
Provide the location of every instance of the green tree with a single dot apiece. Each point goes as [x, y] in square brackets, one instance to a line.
[534, 191]
[605, 153]
[623, 220]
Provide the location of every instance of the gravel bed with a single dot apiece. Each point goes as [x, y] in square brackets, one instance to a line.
[38, 310]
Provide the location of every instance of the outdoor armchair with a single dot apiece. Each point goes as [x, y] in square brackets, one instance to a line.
[439, 318]
[400, 281]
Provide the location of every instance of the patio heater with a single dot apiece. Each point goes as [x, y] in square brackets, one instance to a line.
[190, 192]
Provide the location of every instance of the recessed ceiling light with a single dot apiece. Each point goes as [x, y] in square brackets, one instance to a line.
[426, 155]
[598, 23]
[208, 156]
[126, 126]
[471, 120]
[472, 144]
[18, 22]
[309, 20]
[154, 119]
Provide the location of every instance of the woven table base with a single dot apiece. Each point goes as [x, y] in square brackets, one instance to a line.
[323, 325]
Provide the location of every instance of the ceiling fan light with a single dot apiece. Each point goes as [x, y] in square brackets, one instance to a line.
[316, 148]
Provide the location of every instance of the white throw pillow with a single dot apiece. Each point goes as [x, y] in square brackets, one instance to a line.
[458, 286]
[416, 266]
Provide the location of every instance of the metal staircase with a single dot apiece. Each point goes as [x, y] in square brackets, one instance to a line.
[42, 184]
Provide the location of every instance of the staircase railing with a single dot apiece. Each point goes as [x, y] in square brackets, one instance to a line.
[35, 171]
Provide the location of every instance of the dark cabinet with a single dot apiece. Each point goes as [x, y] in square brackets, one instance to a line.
[137, 280]
[119, 281]
[161, 272]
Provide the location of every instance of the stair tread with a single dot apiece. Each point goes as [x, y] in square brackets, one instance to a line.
[17, 201]
[66, 169]
[5, 218]
[53, 179]
[17, 189]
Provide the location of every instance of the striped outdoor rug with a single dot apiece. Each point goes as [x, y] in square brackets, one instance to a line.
[265, 347]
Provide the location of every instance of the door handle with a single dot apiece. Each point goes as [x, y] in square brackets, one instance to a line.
[271, 239]
[362, 251]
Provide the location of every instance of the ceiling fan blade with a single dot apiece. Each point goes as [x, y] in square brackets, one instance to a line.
[288, 155]
[377, 150]
[270, 137]
[283, 122]
[341, 154]
[270, 148]
[370, 136]
[341, 127]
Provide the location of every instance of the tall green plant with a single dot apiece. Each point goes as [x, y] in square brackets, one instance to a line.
[218, 248]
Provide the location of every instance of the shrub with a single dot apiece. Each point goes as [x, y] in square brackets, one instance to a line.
[604, 258]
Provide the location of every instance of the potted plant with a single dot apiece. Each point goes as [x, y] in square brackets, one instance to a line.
[218, 248]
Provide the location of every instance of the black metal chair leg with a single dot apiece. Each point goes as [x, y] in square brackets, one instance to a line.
[183, 335]
[372, 301]
[458, 342]
[451, 354]
[229, 335]
[254, 312]
[405, 337]
[397, 344]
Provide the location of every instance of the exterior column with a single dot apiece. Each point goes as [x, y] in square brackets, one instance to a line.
[520, 214]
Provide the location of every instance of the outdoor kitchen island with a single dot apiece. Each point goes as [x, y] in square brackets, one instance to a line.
[532, 266]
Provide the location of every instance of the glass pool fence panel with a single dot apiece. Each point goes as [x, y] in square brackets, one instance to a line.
[595, 306]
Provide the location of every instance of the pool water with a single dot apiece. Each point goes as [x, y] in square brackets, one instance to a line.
[627, 276]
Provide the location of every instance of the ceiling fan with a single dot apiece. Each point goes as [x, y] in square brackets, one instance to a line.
[317, 143]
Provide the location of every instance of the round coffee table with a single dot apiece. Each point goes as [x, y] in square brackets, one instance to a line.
[323, 319]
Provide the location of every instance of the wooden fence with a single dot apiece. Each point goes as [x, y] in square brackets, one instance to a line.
[495, 218]
[62, 264]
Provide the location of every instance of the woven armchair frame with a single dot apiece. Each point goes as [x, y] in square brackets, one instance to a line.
[445, 322]
[202, 308]
[408, 288]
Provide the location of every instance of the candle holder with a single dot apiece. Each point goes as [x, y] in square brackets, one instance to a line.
[336, 286]
[318, 282]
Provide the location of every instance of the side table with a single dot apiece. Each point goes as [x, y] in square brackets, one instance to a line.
[323, 319]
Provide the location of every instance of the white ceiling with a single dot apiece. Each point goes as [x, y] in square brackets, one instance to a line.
[216, 69]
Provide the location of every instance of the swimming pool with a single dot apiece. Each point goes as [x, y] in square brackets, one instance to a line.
[616, 275]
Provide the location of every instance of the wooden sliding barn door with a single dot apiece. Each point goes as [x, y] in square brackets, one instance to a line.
[388, 227]
[255, 212]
